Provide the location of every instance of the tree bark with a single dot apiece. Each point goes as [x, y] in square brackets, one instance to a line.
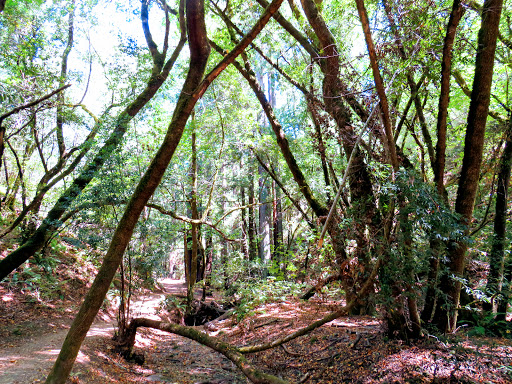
[446, 315]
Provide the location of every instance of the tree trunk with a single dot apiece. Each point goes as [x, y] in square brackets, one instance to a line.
[440, 160]
[362, 199]
[446, 314]
[208, 263]
[264, 218]
[253, 242]
[194, 233]
[379, 85]
[244, 224]
[497, 255]
[318, 124]
[278, 227]
[444, 94]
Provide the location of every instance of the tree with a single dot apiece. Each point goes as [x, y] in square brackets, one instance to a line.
[194, 87]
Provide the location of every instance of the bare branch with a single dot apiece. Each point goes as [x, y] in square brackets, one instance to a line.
[32, 103]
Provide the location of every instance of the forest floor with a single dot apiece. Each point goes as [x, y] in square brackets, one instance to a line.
[347, 350]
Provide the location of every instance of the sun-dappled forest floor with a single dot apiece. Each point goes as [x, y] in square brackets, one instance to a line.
[349, 349]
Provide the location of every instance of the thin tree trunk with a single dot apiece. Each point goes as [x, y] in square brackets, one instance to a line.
[497, 255]
[244, 225]
[264, 218]
[439, 166]
[384, 106]
[444, 94]
[253, 242]
[412, 85]
[195, 216]
[208, 263]
[315, 116]
[278, 227]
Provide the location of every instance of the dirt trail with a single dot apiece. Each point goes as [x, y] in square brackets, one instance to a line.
[27, 360]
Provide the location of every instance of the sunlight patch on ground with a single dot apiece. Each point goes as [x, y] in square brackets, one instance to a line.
[10, 359]
[100, 331]
[7, 297]
[49, 352]
[147, 308]
[82, 358]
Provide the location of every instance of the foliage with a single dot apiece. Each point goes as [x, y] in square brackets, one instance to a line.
[251, 294]
[110, 64]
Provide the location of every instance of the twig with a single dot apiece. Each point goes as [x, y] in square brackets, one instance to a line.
[267, 323]
[356, 341]
[290, 352]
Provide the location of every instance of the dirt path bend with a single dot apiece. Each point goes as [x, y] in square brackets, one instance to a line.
[31, 349]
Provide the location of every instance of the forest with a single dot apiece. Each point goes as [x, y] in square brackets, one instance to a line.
[329, 177]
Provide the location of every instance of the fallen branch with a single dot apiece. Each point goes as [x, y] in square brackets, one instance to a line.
[231, 352]
[236, 354]
[318, 286]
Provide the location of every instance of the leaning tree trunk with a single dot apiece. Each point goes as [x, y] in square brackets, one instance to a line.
[446, 313]
[199, 52]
